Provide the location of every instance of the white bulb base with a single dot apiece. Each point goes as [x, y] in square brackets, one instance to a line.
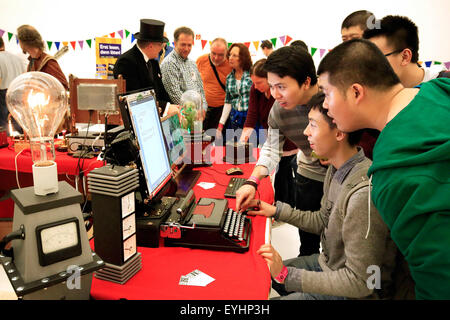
[45, 178]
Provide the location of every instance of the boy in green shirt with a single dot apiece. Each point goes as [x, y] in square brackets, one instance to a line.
[411, 160]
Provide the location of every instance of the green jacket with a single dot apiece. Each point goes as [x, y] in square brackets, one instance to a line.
[411, 186]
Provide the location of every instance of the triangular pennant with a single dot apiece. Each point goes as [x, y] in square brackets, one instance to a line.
[283, 38]
[204, 43]
[210, 42]
[65, 43]
[437, 62]
[80, 42]
[132, 38]
[49, 44]
[274, 42]
[322, 51]
[120, 32]
[57, 43]
[428, 63]
[256, 44]
[288, 39]
[127, 33]
[17, 40]
[89, 41]
[229, 44]
[313, 50]
[73, 43]
[1, 32]
[113, 34]
[9, 36]
[420, 62]
[447, 65]
[247, 44]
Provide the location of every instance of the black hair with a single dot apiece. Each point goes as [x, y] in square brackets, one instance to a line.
[357, 18]
[358, 61]
[1, 42]
[299, 44]
[290, 61]
[400, 32]
[266, 44]
[316, 103]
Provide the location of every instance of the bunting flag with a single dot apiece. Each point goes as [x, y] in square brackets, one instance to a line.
[322, 51]
[274, 42]
[284, 39]
[288, 39]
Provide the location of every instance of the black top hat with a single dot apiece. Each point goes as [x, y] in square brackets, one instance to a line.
[151, 30]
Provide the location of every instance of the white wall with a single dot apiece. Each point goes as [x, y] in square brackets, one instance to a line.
[315, 22]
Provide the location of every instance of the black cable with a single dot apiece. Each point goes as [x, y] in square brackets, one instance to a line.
[18, 234]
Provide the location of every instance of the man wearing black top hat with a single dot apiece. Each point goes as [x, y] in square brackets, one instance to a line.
[138, 65]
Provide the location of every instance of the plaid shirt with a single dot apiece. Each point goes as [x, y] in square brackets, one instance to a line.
[238, 97]
[180, 75]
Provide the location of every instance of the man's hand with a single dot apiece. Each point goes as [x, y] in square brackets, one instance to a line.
[272, 258]
[244, 195]
[261, 208]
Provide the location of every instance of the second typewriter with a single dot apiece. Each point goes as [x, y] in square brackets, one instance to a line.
[207, 224]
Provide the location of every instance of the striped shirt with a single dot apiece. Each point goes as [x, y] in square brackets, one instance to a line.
[238, 92]
[180, 75]
[290, 124]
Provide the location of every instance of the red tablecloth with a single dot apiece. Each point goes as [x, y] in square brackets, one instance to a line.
[237, 276]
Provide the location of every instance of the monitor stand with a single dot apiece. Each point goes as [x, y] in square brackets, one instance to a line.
[186, 178]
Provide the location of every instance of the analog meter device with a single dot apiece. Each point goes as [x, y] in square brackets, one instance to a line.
[50, 256]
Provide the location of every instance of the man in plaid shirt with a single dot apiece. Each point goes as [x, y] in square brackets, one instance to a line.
[180, 74]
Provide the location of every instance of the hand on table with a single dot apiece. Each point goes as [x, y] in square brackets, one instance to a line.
[244, 195]
[261, 208]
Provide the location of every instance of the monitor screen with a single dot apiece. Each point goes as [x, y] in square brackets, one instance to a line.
[174, 138]
[147, 128]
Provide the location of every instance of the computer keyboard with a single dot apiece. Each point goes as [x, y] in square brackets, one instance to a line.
[233, 185]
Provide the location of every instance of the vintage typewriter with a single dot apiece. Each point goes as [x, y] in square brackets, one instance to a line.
[233, 185]
[208, 224]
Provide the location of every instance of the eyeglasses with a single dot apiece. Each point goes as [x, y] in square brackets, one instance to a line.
[396, 51]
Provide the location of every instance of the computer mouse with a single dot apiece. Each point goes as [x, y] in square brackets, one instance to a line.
[234, 171]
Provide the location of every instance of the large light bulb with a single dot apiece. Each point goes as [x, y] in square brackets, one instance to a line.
[38, 102]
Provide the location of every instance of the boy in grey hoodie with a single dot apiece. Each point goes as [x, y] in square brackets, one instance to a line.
[358, 255]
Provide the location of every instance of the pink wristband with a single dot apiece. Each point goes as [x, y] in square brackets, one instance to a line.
[254, 179]
[282, 276]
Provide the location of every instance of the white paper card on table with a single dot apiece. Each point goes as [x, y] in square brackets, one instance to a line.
[196, 278]
[206, 185]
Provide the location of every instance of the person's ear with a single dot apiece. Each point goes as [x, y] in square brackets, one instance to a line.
[406, 57]
[357, 92]
[340, 136]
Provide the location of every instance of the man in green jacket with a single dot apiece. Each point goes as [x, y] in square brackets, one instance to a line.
[355, 240]
[411, 159]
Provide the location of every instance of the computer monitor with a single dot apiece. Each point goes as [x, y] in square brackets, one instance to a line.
[174, 138]
[184, 176]
[146, 124]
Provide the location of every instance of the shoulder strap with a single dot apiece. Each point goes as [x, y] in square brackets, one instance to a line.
[444, 74]
[44, 62]
[215, 72]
